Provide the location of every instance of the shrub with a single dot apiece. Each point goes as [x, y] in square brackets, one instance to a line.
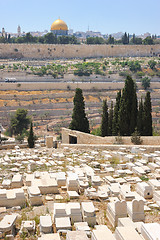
[96, 131]
[144, 178]
[118, 140]
[140, 74]
[136, 138]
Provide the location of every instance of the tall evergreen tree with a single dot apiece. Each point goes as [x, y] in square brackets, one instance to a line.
[115, 127]
[110, 119]
[128, 108]
[125, 38]
[31, 138]
[79, 120]
[134, 38]
[104, 122]
[147, 131]
[128, 38]
[140, 118]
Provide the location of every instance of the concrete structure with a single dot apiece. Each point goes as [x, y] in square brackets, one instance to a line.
[63, 223]
[17, 181]
[88, 213]
[49, 141]
[136, 210]
[45, 224]
[76, 235]
[28, 226]
[11, 198]
[82, 226]
[150, 231]
[116, 210]
[74, 211]
[34, 195]
[50, 51]
[7, 224]
[102, 232]
[126, 233]
[144, 190]
[52, 236]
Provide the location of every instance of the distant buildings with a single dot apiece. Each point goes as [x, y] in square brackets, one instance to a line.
[60, 28]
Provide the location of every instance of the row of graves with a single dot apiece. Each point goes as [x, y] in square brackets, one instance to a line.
[97, 195]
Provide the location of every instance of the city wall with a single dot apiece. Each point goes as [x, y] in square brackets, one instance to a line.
[53, 51]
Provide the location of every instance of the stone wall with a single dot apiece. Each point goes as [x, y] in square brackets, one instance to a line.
[51, 51]
[84, 138]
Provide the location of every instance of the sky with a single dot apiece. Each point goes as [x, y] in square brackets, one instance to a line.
[106, 16]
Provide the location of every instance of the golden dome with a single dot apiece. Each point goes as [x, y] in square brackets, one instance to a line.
[59, 25]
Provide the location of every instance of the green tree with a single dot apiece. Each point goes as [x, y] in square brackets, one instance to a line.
[148, 41]
[145, 82]
[110, 120]
[152, 64]
[104, 122]
[134, 66]
[128, 108]
[115, 127]
[133, 39]
[125, 38]
[147, 130]
[50, 38]
[19, 121]
[31, 138]
[140, 118]
[110, 40]
[79, 120]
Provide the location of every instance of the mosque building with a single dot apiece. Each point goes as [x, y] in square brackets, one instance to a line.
[59, 28]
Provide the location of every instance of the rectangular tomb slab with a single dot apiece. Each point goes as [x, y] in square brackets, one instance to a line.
[76, 235]
[50, 236]
[88, 208]
[102, 233]
[72, 194]
[126, 233]
[63, 223]
[150, 231]
[45, 224]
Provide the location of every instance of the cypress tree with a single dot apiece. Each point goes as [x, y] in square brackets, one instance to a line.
[79, 120]
[128, 38]
[31, 139]
[104, 122]
[127, 116]
[147, 130]
[133, 38]
[125, 38]
[140, 118]
[134, 112]
[115, 127]
[110, 120]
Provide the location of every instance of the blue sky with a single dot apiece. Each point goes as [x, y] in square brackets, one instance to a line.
[138, 16]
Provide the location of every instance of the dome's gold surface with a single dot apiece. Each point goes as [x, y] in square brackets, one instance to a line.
[59, 25]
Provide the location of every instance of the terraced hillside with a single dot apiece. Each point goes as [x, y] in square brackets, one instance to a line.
[54, 107]
[49, 97]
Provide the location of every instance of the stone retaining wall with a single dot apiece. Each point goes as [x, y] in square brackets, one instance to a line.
[53, 51]
[84, 138]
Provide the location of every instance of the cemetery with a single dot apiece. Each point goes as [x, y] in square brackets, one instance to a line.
[76, 193]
